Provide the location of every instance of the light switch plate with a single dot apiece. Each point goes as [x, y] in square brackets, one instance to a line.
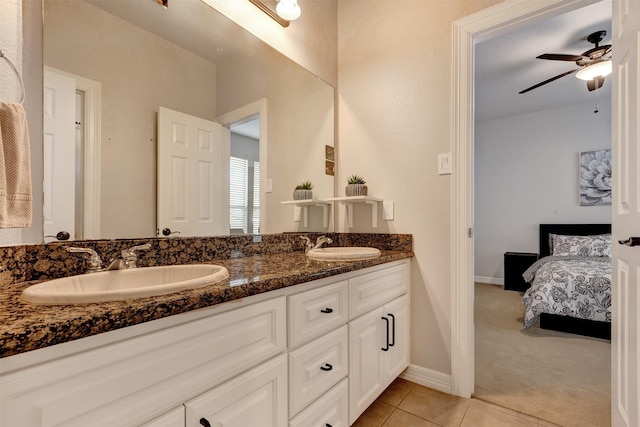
[297, 214]
[268, 185]
[387, 211]
[444, 164]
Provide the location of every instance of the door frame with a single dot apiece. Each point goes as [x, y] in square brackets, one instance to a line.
[489, 23]
[92, 151]
[259, 108]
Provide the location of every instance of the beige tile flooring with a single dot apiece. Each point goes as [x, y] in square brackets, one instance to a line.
[406, 404]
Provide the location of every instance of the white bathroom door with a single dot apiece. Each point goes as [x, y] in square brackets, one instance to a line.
[625, 342]
[59, 106]
[193, 175]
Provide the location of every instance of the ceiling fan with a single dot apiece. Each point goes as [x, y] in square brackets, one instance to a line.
[593, 65]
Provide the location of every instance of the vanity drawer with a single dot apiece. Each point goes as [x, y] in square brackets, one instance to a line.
[315, 312]
[330, 409]
[374, 289]
[316, 367]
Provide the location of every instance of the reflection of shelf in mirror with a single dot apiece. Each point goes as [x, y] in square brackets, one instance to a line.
[304, 204]
[349, 201]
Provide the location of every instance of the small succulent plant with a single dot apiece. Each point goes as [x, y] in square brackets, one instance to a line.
[306, 185]
[356, 179]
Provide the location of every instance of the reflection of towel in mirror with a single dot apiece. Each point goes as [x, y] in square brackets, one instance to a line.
[15, 167]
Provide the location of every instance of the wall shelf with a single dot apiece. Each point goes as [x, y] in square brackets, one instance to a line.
[304, 204]
[350, 201]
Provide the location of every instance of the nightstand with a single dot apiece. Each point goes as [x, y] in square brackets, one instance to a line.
[516, 263]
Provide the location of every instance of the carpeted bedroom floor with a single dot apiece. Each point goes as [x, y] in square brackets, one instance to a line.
[561, 378]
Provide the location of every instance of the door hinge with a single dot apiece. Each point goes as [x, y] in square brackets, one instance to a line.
[470, 232]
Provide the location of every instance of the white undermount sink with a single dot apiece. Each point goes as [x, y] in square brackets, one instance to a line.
[340, 253]
[124, 284]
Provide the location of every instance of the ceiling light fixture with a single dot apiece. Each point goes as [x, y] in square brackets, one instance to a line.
[597, 69]
[288, 9]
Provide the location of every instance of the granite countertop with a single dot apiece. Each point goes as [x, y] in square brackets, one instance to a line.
[25, 327]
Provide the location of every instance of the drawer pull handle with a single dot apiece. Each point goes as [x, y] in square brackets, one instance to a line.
[327, 367]
[386, 347]
[393, 329]
[327, 310]
[205, 422]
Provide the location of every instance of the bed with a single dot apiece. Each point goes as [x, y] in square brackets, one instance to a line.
[571, 288]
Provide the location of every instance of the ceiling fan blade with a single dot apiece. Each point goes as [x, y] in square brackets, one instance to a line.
[596, 83]
[560, 57]
[549, 80]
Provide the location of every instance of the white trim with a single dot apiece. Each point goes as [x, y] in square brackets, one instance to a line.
[258, 107]
[486, 24]
[490, 280]
[428, 378]
[92, 155]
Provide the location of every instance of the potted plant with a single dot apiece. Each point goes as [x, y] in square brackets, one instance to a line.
[303, 191]
[356, 186]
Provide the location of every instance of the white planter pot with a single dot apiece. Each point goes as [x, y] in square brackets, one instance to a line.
[356, 190]
[302, 194]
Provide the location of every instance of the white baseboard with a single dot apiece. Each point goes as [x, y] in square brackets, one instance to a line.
[428, 378]
[490, 280]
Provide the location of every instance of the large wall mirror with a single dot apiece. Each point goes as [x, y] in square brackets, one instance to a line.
[122, 61]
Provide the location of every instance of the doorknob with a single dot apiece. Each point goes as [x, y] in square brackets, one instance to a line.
[631, 241]
[168, 232]
[61, 235]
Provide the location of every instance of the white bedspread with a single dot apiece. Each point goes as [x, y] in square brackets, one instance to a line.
[570, 286]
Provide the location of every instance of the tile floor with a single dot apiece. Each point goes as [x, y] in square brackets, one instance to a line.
[405, 404]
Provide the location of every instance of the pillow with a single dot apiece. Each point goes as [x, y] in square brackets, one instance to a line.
[596, 245]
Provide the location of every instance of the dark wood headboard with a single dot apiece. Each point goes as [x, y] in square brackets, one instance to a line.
[570, 230]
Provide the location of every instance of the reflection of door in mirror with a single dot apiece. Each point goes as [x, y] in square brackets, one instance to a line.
[70, 121]
[193, 176]
[244, 180]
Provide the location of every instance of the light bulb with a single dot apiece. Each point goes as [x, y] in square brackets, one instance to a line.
[288, 9]
[602, 68]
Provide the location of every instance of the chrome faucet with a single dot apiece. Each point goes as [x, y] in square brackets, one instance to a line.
[321, 241]
[128, 258]
[95, 263]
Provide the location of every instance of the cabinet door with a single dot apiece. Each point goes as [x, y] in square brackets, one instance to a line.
[366, 379]
[256, 398]
[174, 418]
[397, 358]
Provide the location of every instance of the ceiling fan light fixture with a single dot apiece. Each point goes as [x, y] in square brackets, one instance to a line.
[598, 69]
[288, 9]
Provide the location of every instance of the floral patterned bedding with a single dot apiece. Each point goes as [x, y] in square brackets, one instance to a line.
[577, 286]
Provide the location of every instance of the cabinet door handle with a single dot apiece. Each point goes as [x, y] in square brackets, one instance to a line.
[327, 367]
[328, 425]
[205, 422]
[327, 310]
[393, 329]
[386, 347]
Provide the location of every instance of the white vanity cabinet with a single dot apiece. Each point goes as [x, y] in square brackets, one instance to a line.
[379, 338]
[318, 353]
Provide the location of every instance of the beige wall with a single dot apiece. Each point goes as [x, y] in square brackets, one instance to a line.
[150, 72]
[311, 40]
[394, 84]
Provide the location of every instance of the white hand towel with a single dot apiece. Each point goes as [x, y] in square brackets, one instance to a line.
[15, 167]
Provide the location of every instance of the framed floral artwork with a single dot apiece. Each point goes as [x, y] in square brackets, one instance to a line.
[595, 178]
